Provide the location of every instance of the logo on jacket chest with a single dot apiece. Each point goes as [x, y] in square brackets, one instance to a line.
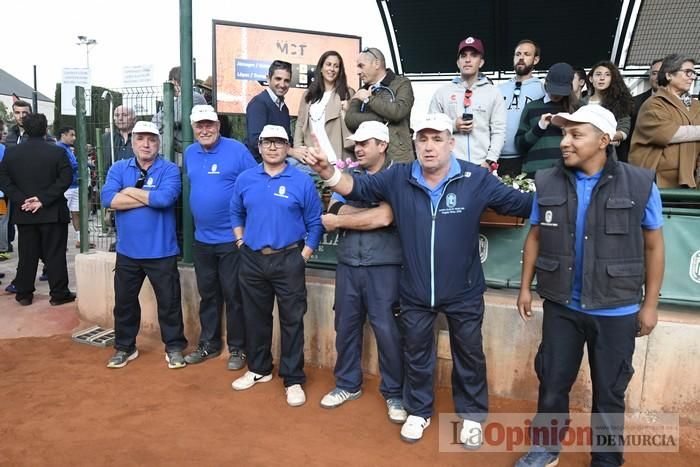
[214, 170]
[548, 218]
[149, 183]
[281, 192]
[451, 205]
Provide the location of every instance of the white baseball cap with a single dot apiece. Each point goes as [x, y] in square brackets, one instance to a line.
[145, 127]
[596, 115]
[203, 112]
[436, 121]
[370, 129]
[274, 131]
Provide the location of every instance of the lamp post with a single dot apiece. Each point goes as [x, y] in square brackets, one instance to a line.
[87, 42]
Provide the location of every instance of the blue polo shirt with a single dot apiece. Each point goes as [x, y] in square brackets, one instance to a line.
[145, 232]
[276, 211]
[212, 175]
[652, 220]
[73, 163]
[435, 193]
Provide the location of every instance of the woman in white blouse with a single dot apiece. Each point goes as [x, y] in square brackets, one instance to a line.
[322, 110]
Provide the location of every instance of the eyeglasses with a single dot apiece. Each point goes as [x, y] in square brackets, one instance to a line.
[368, 50]
[276, 143]
[689, 72]
[516, 91]
[142, 178]
[468, 98]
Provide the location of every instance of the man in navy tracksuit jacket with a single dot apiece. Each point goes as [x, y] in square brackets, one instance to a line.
[437, 202]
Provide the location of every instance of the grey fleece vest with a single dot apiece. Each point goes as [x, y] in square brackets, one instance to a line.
[613, 262]
[380, 247]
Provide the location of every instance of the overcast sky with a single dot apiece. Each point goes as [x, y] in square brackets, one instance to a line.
[143, 32]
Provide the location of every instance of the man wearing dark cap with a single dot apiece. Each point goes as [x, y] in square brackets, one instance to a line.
[536, 139]
[475, 106]
[143, 190]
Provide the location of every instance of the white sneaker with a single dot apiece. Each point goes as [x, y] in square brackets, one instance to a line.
[338, 397]
[471, 436]
[295, 395]
[395, 410]
[412, 429]
[249, 379]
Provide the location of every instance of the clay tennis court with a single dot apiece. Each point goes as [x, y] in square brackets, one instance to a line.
[61, 406]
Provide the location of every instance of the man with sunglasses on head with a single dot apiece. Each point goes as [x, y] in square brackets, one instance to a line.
[213, 164]
[143, 191]
[475, 106]
[268, 107]
[276, 218]
[384, 97]
[517, 92]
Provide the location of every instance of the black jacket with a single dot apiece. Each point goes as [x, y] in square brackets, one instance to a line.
[36, 168]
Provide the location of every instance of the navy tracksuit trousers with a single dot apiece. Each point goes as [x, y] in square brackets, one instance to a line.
[361, 292]
[469, 387]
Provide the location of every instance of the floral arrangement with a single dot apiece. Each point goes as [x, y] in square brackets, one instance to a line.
[519, 182]
[346, 164]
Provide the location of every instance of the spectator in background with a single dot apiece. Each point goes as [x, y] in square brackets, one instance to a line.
[66, 139]
[16, 134]
[34, 175]
[581, 85]
[4, 212]
[384, 97]
[536, 139]
[517, 92]
[118, 141]
[610, 91]
[475, 106]
[322, 110]
[268, 107]
[667, 135]
[175, 78]
[624, 148]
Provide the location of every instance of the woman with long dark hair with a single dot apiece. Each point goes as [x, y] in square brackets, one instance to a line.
[322, 110]
[610, 91]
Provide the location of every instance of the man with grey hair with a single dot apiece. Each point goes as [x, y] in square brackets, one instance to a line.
[437, 203]
[384, 97]
[116, 144]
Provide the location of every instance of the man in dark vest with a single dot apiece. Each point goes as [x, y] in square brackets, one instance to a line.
[595, 241]
[367, 281]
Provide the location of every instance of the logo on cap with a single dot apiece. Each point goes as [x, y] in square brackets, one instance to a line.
[469, 40]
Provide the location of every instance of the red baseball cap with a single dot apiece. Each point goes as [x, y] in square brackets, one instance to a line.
[472, 43]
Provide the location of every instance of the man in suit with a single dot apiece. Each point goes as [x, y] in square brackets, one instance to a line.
[34, 175]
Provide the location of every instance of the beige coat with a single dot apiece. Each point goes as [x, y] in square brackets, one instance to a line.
[335, 126]
[658, 120]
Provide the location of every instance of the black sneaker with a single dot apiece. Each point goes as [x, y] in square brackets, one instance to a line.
[237, 360]
[60, 301]
[121, 358]
[202, 353]
[175, 360]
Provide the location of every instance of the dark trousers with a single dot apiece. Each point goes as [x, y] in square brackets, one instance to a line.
[469, 387]
[47, 241]
[262, 278]
[610, 343]
[216, 267]
[163, 275]
[361, 292]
